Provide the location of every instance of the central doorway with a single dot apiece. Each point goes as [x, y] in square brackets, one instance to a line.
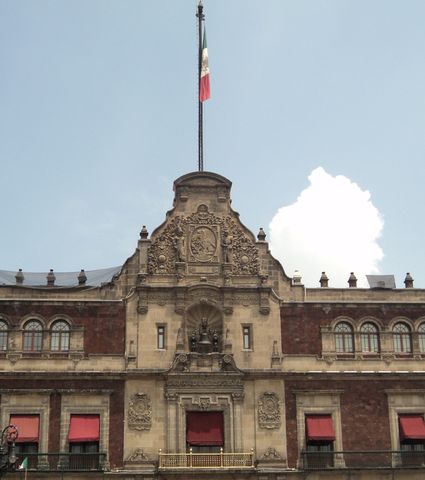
[204, 432]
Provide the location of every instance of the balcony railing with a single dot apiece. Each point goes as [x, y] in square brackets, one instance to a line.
[220, 460]
[64, 462]
[372, 459]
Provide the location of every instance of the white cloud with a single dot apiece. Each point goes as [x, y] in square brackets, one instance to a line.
[334, 227]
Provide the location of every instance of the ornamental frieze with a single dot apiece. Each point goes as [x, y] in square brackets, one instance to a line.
[139, 415]
[203, 239]
[269, 411]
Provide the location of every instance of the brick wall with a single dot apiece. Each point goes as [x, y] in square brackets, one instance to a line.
[103, 323]
[301, 323]
[364, 409]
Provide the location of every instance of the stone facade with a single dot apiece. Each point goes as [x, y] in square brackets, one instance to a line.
[202, 319]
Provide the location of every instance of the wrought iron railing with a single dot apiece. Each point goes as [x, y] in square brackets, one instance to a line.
[219, 460]
[63, 462]
[371, 459]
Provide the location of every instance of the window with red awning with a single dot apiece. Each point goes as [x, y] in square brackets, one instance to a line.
[319, 428]
[204, 428]
[28, 427]
[412, 427]
[84, 428]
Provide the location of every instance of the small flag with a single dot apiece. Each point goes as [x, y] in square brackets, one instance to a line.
[24, 464]
[204, 86]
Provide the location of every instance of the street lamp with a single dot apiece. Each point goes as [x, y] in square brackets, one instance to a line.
[7, 449]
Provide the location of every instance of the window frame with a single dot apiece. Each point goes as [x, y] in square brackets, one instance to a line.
[4, 335]
[32, 338]
[345, 338]
[371, 338]
[63, 336]
[161, 340]
[402, 339]
[247, 337]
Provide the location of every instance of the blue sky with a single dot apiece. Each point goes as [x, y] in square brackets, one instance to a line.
[98, 117]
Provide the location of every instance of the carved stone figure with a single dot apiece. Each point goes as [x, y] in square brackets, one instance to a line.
[227, 246]
[269, 411]
[139, 415]
[178, 242]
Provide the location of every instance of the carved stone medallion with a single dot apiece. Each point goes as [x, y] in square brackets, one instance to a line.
[203, 244]
[139, 415]
[269, 411]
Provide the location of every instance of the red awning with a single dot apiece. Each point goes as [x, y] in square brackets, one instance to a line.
[320, 428]
[204, 428]
[28, 427]
[84, 428]
[412, 427]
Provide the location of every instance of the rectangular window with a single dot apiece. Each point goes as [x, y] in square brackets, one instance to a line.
[83, 438]
[161, 337]
[412, 439]
[205, 431]
[247, 337]
[27, 442]
[320, 437]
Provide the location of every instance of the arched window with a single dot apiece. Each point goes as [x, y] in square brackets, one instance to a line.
[369, 338]
[60, 336]
[402, 338]
[344, 338]
[33, 336]
[421, 331]
[3, 335]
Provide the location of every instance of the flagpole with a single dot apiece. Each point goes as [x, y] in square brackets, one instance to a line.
[201, 17]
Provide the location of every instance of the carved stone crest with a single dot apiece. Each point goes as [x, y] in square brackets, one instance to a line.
[271, 454]
[269, 411]
[203, 237]
[139, 415]
[203, 243]
[137, 456]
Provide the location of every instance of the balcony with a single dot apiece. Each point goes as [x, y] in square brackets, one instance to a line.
[202, 461]
[359, 460]
[64, 462]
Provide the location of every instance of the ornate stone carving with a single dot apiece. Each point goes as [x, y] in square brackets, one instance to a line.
[203, 244]
[196, 239]
[138, 456]
[269, 411]
[140, 412]
[181, 363]
[205, 403]
[271, 454]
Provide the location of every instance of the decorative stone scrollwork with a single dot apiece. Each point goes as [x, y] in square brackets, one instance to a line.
[140, 412]
[138, 456]
[271, 454]
[269, 411]
[181, 363]
[205, 403]
[197, 239]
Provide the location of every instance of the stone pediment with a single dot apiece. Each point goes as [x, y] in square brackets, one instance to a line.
[202, 235]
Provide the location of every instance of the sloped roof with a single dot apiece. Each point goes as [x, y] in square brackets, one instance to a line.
[63, 279]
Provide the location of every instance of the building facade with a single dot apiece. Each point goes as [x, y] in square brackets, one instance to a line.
[200, 358]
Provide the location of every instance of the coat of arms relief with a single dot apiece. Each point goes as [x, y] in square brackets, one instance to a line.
[203, 238]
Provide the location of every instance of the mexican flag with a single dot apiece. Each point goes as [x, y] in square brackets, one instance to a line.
[24, 464]
[204, 84]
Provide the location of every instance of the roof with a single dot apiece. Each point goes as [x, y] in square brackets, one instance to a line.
[63, 279]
